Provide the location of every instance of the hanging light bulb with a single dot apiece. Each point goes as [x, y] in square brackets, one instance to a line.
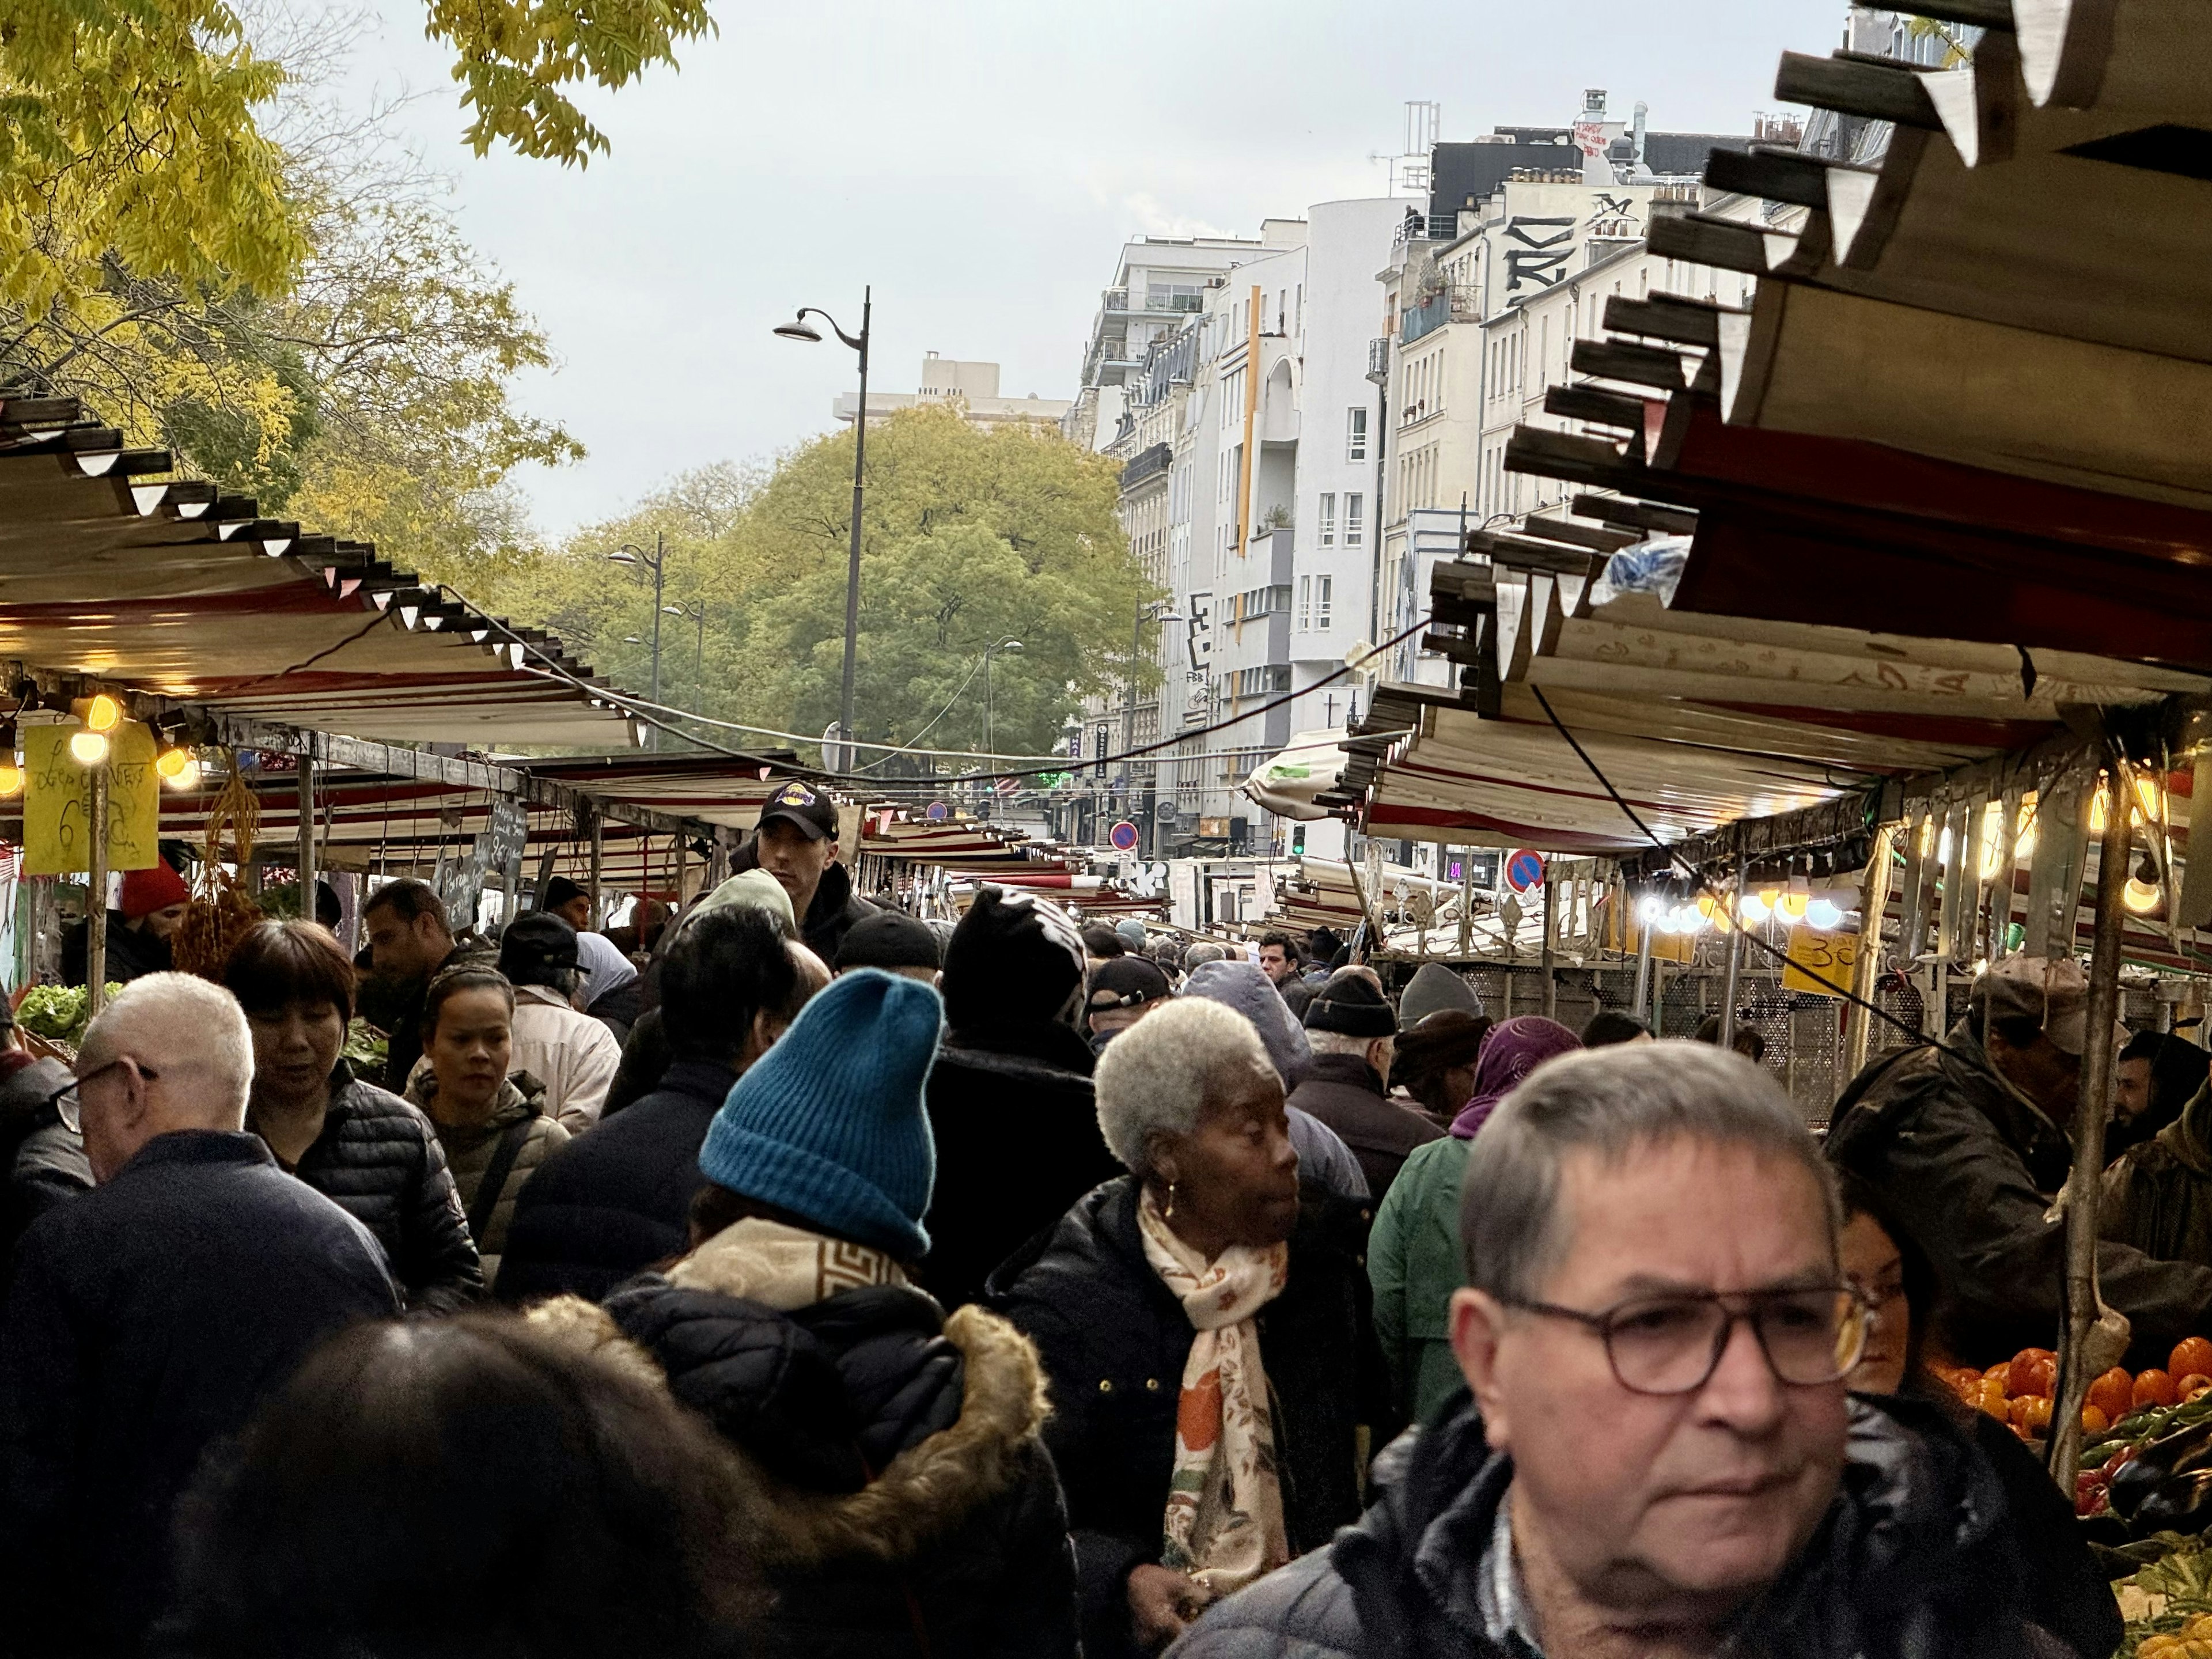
[103, 714]
[11, 778]
[2097, 814]
[2143, 890]
[2024, 829]
[1993, 850]
[1754, 910]
[2152, 797]
[179, 769]
[87, 748]
[1793, 907]
[1770, 896]
[1649, 910]
[1821, 913]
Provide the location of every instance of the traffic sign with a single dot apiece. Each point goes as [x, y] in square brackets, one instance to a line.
[1524, 870]
[937, 812]
[1123, 837]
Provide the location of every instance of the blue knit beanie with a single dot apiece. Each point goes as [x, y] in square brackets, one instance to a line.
[829, 1123]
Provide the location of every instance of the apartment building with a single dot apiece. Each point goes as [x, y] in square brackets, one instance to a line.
[970, 387]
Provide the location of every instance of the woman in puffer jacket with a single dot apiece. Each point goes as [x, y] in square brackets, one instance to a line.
[912, 1508]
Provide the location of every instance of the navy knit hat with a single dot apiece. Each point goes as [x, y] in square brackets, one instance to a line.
[828, 1124]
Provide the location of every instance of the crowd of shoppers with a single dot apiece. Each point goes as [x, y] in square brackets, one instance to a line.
[818, 1283]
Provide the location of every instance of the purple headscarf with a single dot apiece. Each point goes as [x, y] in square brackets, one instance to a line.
[1510, 1052]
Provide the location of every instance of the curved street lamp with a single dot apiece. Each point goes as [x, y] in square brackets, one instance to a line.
[1007, 644]
[799, 329]
[657, 562]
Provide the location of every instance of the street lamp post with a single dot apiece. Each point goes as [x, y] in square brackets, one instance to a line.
[1156, 611]
[657, 562]
[696, 611]
[1006, 644]
[799, 329]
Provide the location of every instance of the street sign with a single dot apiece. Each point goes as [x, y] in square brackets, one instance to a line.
[1524, 870]
[937, 812]
[1123, 835]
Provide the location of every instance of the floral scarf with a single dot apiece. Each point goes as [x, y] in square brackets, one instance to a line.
[1509, 1052]
[1224, 1526]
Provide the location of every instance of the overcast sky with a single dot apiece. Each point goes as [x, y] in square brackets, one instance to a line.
[981, 163]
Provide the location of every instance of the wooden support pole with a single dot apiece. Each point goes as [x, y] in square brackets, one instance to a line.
[1734, 964]
[599, 865]
[95, 899]
[1867, 972]
[2100, 1059]
[305, 768]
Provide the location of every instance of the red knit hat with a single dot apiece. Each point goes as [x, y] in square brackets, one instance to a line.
[145, 891]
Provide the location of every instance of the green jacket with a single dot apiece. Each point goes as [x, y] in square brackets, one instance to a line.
[1413, 1263]
[2158, 1196]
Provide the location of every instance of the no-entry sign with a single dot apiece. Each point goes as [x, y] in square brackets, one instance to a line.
[1524, 870]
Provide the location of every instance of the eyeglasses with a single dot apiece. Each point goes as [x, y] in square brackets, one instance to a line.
[71, 1108]
[1668, 1344]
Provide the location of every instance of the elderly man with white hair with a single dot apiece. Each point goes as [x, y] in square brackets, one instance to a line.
[1205, 1326]
[1656, 1457]
[146, 1318]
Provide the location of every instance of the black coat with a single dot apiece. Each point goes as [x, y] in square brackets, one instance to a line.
[646, 1059]
[144, 1320]
[613, 1202]
[1016, 1124]
[378, 1159]
[913, 1509]
[1918, 1558]
[1344, 1092]
[1113, 1340]
[830, 913]
[132, 953]
[1970, 1168]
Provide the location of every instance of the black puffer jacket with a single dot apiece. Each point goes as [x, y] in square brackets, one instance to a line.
[913, 1508]
[378, 1159]
[611, 1203]
[1915, 1560]
[1113, 1340]
[1970, 1168]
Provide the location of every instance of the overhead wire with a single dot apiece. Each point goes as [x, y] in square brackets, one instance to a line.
[1698, 876]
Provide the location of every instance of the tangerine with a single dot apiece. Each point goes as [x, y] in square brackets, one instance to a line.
[2113, 1394]
[2192, 1357]
[2031, 1372]
[2094, 1421]
[2154, 1387]
[2030, 1414]
[1993, 1399]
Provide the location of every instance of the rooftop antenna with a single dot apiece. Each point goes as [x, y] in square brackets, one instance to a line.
[1412, 168]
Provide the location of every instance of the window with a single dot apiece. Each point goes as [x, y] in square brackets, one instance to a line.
[1305, 603]
[1355, 515]
[1355, 433]
[1329, 520]
[1322, 585]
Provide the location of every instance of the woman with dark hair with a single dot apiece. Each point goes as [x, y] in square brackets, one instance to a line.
[2069, 1598]
[466, 1488]
[492, 1122]
[368, 1151]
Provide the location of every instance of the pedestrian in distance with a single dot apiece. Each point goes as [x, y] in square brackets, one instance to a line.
[612, 1203]
[1118, 993]
[375, 1155]
[1436, 1060]
[1101, 943]
[2159, 1074]
[409, 944]
[140, 931]
[145, 1319]
[490, 1119]
[1354, 1038]
[894, 942]
[910, 1504]
[1433, 988]
[574, 1056]
[1206, 1335]
[467, 1487]
[1609, 1026]
[796, 843]
[567, 900]
[1011, 1106]
[1414, 1258]
[1654, 1454]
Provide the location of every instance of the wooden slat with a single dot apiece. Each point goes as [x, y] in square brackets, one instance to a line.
[1579, 535]
[1660, 520]
[1855, 85]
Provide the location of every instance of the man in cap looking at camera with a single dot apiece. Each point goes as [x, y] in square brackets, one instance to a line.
[797, 843]
[1968, 1142]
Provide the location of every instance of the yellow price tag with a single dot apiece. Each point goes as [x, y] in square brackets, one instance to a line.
[1834, 957]
[58, 802]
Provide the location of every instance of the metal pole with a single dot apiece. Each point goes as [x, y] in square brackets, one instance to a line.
[1641, 1005]
[987, 698]
[96, 908]
[599, 865]
[1551, 943]
[1859, 1025]
[2098, 1059]
[305, 767]
[1734, 964]
[660, 568]
[1129, 701]
[1466, 901]
[853, 561]
[699, 666]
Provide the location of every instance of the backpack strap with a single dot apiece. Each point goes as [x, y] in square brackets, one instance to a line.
[495, 1179]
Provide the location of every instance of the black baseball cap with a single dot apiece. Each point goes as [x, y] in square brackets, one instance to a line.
[888, 938]
[534, 943]
[1124, 982]
[802, 804]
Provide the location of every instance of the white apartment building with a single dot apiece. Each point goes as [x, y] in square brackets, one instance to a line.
[972, 387]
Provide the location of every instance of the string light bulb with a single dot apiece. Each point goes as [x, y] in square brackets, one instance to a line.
[2151, 797]
[103, 714]
[11, 778]
[1793, 907]
[178, 768]
[87, 747]
[2143, 890]
[1822, 915]
[2097, 814]
[1754, 910]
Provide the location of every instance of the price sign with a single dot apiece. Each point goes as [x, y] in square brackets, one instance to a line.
[58, 801]
[1834, 957]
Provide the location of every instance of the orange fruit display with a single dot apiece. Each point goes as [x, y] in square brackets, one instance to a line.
[2113, 1394]
[1999, 1374]
[2190, 1385]
[2030, 1413]
[2154, 1387]
[2094, 1422]
[1993, 1399]
[2192, 1357]
[2033, 1372]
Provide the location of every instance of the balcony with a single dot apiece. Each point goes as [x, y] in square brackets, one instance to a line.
[1378, 360]
[1452, 303]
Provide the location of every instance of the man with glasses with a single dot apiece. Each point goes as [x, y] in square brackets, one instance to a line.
[145, 1319]
[1656, 1456]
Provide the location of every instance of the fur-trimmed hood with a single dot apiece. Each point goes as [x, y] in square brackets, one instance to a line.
[964, 1398]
